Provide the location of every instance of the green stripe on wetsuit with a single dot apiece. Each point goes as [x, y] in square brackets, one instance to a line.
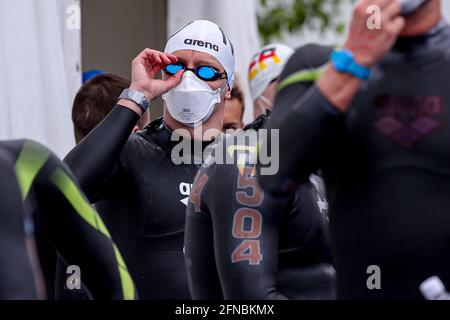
[28, 165]
[309, 75]
[30, 162]
[66, 185]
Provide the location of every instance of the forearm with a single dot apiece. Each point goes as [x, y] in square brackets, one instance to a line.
[338, 88]
[93, 161]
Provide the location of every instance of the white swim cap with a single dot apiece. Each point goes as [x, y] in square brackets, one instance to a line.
[266, 66]
[205, 36]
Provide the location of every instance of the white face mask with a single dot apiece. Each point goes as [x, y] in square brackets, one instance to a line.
[192, 102]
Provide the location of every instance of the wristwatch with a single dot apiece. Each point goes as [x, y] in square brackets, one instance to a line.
[344, 61]
[136, 97]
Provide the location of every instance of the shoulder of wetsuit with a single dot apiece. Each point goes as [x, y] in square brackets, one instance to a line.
[7, 154]
[229, 153]
[153, 126]
[307, 187]
[12, 147]
[146, 146]
[15, 147]
[150, 137]
[299, 75]
[306, 57]
[303, 68]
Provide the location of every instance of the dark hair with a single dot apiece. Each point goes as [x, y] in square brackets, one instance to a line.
[94, 101]
[237, 93]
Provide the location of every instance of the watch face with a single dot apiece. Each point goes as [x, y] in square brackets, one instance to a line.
[343, 61]
[141, 98]
[137, 98]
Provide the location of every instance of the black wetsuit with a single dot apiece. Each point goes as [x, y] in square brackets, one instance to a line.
[55, 215]
[16, 272]
[386, 166]
[241, 243]
[142, 196]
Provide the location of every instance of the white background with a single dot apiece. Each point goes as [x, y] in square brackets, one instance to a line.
[39, 63]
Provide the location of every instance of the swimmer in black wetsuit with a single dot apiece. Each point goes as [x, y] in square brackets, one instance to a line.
[241, 243]
[54, 215]
[137, 187]
[382, 148]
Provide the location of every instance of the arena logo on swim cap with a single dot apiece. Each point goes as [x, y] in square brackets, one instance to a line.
[200, 43]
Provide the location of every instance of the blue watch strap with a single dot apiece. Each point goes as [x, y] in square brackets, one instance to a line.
[360, 71]
[344, 61]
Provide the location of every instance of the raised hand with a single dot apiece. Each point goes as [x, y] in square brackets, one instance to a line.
[144, 69]
[369, 45]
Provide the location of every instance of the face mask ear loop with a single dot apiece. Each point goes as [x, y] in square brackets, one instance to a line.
[222, 90]
[266, 101]
[261, 107]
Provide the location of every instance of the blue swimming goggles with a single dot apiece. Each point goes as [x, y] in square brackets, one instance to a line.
[206, 73]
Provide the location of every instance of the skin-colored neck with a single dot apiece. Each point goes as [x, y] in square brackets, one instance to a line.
[423, 20]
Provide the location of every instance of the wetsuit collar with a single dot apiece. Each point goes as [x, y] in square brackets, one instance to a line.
[162, 134]
[258, 122]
